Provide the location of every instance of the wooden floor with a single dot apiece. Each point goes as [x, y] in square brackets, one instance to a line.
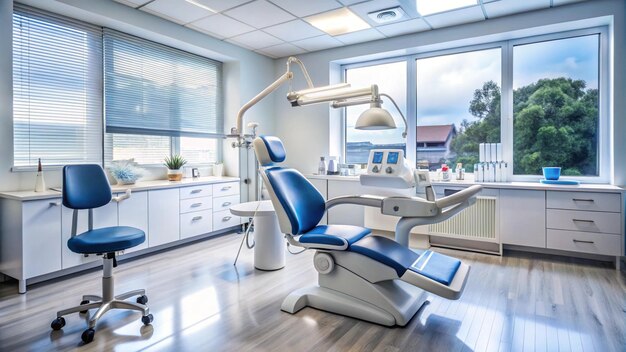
[201, 302]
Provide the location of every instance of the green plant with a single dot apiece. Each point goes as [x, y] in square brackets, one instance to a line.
[174, 162]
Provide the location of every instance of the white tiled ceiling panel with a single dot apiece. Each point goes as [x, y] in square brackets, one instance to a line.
[278, 28]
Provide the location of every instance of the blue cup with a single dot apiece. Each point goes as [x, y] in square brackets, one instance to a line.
[551, 173]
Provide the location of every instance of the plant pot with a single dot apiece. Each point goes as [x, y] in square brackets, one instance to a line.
[175, 175]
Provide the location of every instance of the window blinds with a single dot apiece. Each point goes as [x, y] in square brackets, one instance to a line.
[57, 89]
[154, 89]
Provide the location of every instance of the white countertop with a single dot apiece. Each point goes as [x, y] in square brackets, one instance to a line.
[139, 186]
[585, 187]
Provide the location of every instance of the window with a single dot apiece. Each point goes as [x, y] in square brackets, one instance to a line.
[57, 97]
[451, 125]
[540, 97]
[555, 106]
[160, 100]
[391, 79]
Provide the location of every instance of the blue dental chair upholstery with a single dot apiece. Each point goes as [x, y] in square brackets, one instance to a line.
[86, 187]
[368, 277]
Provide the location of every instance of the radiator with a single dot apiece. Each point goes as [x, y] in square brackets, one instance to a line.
[477, 222]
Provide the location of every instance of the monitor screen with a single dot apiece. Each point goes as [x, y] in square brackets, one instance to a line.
[378, 158]
[392, 157]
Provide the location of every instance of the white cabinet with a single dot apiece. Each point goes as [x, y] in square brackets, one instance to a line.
[523, 217]
[196, 223]
[163, 216]
[41, 236]
[322, 187]
[345, 214]
[133, 212]
[105, 216]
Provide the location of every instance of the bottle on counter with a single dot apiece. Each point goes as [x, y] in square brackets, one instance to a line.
[321, 169]
[445, 173]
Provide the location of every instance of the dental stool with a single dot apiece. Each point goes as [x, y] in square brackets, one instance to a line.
[87, 187]
[368, 277]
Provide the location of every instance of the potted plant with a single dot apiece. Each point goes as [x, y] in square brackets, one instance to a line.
[174, 165]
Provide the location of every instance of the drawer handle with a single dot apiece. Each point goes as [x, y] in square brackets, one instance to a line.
[195, 205]
[579, 241]
[55, 204]
[582, 200]
[196, 218]
[580, 220]
[226, 188]
[226, 218]
[196, 191]
[225, 204]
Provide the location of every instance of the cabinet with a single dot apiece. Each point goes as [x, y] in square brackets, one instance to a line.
[163, 216]
[41, 241]
[133, 212]
[345, 214]
[523, 217]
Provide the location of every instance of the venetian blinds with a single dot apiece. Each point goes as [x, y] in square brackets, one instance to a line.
[57, 89]
[153, 89]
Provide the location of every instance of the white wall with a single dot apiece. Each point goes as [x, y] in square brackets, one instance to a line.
[312, 131]
[245, 73]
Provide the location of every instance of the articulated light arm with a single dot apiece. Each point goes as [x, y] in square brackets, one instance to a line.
[406, 125]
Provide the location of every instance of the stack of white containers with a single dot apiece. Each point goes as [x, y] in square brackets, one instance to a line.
[491, 167]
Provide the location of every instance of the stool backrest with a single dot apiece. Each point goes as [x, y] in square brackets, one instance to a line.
[85, 187]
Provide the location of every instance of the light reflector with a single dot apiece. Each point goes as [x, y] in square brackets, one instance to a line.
[336, 22]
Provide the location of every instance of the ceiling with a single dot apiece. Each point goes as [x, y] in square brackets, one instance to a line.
[277, 28]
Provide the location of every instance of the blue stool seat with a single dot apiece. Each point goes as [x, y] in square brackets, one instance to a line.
[334, 235]
[106, 240]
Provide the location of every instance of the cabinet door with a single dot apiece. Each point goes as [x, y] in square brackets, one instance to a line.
[523, 217]
[133, 212]
[345, 214]
[105, 216]
[163, 216]
[321, 186]
[41, 226]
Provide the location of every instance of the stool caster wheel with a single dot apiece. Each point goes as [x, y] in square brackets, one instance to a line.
[147, 319]
[88, 335]
[81, 303]
[58, 323]
[143, 299]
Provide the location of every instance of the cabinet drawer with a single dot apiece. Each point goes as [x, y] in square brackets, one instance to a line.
[196, 223]
[196, 191]
[224, 203]
[575, 241]
[225, 189]
[224, 219]
[584, 201]
[587, 221]
[195, 204]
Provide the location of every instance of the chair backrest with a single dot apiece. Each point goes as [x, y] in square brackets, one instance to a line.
[298, 204]
[85, 187]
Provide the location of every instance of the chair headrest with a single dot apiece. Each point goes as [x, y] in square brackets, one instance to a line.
[269, 150]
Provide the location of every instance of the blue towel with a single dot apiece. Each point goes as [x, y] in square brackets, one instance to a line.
[435, 266]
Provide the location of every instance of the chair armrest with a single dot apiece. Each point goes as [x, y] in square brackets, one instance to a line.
[126, 195]
[365, 200]
[458, 197]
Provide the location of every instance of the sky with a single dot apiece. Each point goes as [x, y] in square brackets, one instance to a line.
[446, 84]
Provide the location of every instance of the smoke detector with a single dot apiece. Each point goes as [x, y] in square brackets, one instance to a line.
[387, 15]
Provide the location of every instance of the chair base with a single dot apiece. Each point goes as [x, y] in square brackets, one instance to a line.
[105, 302]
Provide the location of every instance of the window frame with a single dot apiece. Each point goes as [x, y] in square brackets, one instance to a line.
[605, 116]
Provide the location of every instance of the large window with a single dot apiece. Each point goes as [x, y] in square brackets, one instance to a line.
[540, 97]
[458, 107]
[160, 100]
[391, 79]
[57, 111]
[555, 106]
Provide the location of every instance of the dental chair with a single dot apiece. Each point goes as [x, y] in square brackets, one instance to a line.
[367, 277]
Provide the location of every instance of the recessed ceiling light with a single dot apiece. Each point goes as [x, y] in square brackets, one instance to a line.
[387, 15]
[197, 3]
[338, 22]
[428, 7]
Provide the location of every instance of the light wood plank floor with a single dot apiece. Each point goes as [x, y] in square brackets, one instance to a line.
[201, 302]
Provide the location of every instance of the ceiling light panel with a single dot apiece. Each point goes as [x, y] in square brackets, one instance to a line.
[338, 22]
[429, 7]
